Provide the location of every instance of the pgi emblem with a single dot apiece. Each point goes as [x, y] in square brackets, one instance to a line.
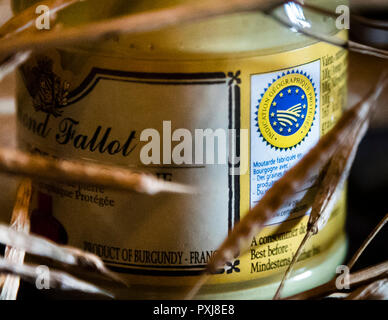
[286, 110]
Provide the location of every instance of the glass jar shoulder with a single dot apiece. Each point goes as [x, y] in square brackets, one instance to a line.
[243, 34]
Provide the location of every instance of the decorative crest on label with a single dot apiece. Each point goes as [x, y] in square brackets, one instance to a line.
[48, 91]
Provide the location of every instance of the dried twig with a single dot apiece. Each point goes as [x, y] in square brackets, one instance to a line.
[368, 240]
[53, 279]
[25, 21]
[20, 221]
[377, 290]
[332, 183]
[356, 279]
[330, 188]
[190, 294]
[24, 164]
[45, 248]
[239, 239]
[334, 180]
[10, 64]
[134, 23]
[364, 49]
[370, 4]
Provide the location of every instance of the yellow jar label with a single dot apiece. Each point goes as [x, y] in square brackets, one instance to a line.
[108, 109]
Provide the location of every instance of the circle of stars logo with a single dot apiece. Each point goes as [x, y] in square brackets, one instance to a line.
[286, 110]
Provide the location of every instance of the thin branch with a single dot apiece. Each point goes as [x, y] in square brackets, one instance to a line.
[24, 164]
[326, 197]
[295, 258]
[54, 279]
[197, 286]
[42, 247]
[368, 240]
[10, 64]
[368, 50]
[25, 21]
[20, 221]
[377, 290]
[364, 276]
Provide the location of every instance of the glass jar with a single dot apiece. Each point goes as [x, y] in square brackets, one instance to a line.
[261, 93]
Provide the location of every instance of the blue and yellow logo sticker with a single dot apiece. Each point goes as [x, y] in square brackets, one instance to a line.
[286, 110]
